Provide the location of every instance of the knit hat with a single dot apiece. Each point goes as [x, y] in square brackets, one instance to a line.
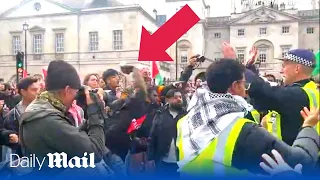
[61, 74]
[171, 93]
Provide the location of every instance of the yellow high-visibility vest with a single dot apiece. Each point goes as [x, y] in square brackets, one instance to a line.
[256, 116]
[274, 119]
[216, 158]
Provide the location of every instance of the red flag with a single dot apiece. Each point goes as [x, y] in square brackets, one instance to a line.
[136, 124]
[154, 69]
[25, 74]
[44, 73]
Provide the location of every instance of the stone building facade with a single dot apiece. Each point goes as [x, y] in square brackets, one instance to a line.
[103, 34]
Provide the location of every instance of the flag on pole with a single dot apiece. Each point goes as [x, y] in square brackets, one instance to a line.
[316, 70]
[25, 74]
[155, 73]
[44, 73]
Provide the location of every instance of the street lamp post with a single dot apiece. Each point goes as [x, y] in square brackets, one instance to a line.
[177, 56]
[25, 28]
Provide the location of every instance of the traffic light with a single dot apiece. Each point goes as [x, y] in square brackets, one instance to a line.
[19, 65]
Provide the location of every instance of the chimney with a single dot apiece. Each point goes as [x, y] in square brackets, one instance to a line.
[155, 13]
[208, 10]
[314, 4]
[282, 6]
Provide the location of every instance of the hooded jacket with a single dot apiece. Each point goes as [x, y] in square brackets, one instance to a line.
[45, 128]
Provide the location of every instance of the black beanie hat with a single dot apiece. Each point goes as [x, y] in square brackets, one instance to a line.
[61, 74]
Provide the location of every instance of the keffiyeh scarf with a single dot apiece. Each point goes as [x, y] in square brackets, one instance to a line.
[208, 115]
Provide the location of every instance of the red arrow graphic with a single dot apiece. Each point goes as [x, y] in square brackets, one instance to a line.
[153, 47]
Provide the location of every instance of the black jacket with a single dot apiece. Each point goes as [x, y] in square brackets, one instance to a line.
[141, 135]
[116, 126]
[288, 101]
[253, 141]
[164, 129]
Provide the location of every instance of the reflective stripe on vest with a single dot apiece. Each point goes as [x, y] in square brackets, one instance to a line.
[256, 116]
[313, 95]
[273, 124]
[216, 158]
[179, 136]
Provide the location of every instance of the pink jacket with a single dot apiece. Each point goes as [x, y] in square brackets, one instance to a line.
[77, 114]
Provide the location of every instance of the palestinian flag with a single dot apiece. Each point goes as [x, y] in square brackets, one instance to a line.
[155, 73]
[136, 124]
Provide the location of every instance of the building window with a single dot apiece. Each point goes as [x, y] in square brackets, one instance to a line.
[183, 56]
[217, 35]
[241, 55]
[94, 41]
[217, 56]
[59, 42]
[284, 52]
[37, 43]
[240, 32]
[285, 29]
[263, 31]
[16, 44]
[310, 30]
[262, 56]
[117, 40]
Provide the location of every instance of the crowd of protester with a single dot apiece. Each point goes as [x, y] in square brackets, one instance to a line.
[228, 119]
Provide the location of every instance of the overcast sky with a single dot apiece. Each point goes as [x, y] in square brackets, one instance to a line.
[218, 7]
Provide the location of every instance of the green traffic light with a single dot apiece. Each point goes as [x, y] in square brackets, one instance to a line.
[19, 65]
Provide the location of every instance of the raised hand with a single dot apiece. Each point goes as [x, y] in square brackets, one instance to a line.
[277, 164]
[252, 56]
[311, 118]
[228, 51]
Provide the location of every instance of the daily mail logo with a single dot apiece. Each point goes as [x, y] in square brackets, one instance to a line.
[55, 160]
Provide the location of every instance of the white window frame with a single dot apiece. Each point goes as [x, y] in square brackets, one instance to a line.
[285, 29]
[59, 41]
[261, 30]
[310, 30]
[263, 52]
[93, 41]
[284, 51]
[183, 56]
[217, 56]
[117, 39]
[217, 35]
[37, 43]
[241, 55]
[16, 44]
[241, 32]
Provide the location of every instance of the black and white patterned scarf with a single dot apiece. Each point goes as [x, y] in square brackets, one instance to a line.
[208, 114]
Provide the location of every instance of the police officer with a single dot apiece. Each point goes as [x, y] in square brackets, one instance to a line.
[215, 138]
[285, 103]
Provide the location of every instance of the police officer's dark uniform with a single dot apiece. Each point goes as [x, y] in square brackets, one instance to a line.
[287, 101]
